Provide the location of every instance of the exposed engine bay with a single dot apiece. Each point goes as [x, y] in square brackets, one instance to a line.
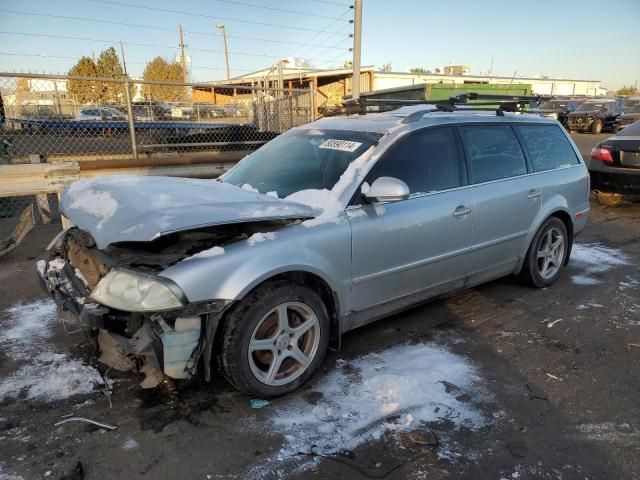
[163, 345]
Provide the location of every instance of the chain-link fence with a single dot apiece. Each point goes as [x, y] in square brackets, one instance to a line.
[52, 118]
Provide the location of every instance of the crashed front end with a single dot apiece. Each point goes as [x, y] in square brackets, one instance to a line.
[141, 321]
[581, 123]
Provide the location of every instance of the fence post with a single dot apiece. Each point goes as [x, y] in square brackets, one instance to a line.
[132, 126]
[312, 101]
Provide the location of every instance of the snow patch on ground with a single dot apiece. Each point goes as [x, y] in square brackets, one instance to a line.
[211, 252]
[44, 374]
[595, 258]
[588, 305]
[130, 444]
[84, 197]
[50, 376]
[260, 237]
[398, 389]
[25, 327]
[4, 475]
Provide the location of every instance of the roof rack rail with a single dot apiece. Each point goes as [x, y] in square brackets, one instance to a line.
[498, 103]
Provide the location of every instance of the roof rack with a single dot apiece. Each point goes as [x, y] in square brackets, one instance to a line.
[480, 102]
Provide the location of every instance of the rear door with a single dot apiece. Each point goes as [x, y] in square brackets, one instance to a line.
[411, 249]
[506, 199]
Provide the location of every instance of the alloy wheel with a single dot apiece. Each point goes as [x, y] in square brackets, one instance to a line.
[284, 343]
[550, 253]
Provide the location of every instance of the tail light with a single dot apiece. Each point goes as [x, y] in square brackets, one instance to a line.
[602, 153]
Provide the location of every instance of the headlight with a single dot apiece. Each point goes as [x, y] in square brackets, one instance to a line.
[134, 292]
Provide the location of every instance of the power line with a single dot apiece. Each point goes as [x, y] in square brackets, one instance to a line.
[327, 2]
[56, 57]
[275, 9]
[150, 27]
[203, 15]
[326, 30]
[152, 45]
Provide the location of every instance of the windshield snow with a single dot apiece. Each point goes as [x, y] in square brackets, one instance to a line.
[301, 160]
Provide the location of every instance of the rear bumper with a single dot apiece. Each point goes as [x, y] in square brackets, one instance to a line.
[624, 181]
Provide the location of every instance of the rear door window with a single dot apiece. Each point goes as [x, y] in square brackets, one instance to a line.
[494, 152]
[427, 161]
[547, 146]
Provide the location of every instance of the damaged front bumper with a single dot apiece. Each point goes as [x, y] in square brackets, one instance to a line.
[161, 345]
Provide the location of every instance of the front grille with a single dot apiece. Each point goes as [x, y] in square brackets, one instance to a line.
[91, 269]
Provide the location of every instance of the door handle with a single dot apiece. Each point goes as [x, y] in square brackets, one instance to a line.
[533, 193]
[461, 211]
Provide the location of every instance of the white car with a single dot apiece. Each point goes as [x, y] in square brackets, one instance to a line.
[100, 113]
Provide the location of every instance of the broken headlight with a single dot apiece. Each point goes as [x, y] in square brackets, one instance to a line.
[134, 292]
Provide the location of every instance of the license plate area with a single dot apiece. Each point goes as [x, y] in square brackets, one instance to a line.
[630, 159]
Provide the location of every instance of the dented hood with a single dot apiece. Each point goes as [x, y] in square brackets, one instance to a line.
[135, 208]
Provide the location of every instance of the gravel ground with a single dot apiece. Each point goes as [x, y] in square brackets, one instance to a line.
[499, 382]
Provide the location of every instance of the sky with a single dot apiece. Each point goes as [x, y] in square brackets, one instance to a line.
[585, 39]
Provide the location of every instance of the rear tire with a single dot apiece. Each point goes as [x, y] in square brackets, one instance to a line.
[547, 254]
[274, 339]
[596, 127]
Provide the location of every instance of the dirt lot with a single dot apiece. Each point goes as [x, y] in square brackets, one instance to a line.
[498, 382]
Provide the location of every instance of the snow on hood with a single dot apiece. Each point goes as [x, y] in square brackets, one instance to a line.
[138, 208]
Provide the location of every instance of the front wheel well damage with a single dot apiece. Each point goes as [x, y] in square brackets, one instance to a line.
[328, 296]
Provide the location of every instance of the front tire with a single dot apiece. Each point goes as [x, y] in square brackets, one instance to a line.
[547, 254]
[596, 127]
[274, 339]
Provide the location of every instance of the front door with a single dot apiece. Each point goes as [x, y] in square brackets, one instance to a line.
[408, 250]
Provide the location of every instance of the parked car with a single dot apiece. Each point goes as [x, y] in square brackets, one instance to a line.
[39, 111]
[629, 103]
[151, 110]
[558, 109]
[208, 110]
[100, 113]
[593, 116]
[629, 115]
[614, 166]
[375, 213]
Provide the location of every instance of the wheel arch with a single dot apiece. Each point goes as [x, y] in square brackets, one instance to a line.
[316, 282]
[560, 213]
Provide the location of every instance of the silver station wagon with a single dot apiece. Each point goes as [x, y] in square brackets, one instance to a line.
[326, 228]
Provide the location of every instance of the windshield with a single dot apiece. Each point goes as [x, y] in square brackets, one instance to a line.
[552, 105]
[301, 160]
[589, 107]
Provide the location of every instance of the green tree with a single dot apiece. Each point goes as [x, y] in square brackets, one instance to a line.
[628, 91]
[108, 66]
[160, 70]
[84, 91]
[419, 70]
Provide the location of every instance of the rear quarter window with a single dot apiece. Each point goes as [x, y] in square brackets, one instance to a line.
[494, 152]
[547, 146]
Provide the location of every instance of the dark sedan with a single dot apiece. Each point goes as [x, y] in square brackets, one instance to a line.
[594, 116]
[629, 116]
[558, 109]
[615, 162]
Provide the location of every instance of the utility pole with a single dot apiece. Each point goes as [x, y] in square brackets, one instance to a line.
[357, 41]
[222, 27]
[183, 59]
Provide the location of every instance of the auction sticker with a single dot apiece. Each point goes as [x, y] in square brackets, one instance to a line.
[342, 145]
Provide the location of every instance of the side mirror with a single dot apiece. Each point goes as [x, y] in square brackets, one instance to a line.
[387, 189]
